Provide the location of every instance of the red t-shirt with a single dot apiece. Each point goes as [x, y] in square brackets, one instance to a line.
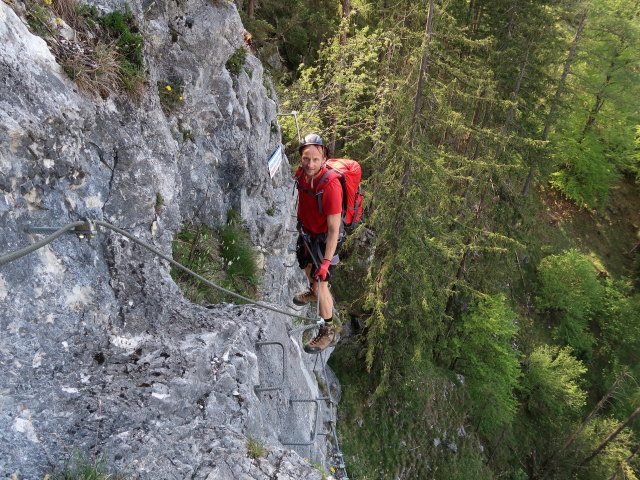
[308, 212]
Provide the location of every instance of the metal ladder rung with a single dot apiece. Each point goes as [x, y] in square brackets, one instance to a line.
[258, 388]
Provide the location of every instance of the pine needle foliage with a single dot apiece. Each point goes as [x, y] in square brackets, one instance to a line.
[570, 290]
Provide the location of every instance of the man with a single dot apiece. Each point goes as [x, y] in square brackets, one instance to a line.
[320, 227]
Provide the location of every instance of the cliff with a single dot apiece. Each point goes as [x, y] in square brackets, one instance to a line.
[100, 351]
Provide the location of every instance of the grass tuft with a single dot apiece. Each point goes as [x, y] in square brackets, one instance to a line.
[223, 255]
[81, 468]
[104, 55]
[255, 449]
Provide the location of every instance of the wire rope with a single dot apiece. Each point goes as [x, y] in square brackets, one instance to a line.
[10, 257]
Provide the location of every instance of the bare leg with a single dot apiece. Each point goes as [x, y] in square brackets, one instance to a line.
[326, 301]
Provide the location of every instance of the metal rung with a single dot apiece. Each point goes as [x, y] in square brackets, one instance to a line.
[313, 435]
[306, 327]
[257, 388]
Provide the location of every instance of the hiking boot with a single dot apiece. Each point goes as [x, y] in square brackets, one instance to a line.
[304, 298]
[327, 337]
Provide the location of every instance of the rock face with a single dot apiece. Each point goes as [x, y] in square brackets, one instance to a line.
[99, 351]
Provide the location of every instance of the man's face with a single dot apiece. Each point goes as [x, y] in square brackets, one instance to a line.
[312, 159]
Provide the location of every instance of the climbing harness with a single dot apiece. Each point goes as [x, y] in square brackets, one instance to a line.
[88, 229]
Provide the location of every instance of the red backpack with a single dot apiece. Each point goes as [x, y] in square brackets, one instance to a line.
[349, 174]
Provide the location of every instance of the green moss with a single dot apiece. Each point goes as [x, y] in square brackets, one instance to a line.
[159, 202]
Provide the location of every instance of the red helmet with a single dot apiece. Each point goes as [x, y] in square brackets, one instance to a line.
[313, 139]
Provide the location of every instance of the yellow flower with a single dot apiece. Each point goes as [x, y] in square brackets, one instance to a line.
[58, 21]
[48, 2]
[179, 98]
[333, 470]
[168, 87]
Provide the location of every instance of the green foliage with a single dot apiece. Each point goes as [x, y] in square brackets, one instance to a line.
[106, 53]
[447, 118]
[595, 141]
[338, 94]
[81, 468]
[40, 19]
[122, 28]
[293, 31]
[571, 294]
[619, 339]
[551, 385]
[584, 177]
[171, 96]
[255, 449]
[410, 433]
[613, 457]
[236, 61]
[490, 364]
[238, 254]
[223, 255]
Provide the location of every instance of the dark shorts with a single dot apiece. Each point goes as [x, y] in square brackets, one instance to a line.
[318, 246]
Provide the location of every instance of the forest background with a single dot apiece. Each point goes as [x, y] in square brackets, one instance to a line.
[493, 289]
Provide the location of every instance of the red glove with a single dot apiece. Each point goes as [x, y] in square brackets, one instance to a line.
[323, 271]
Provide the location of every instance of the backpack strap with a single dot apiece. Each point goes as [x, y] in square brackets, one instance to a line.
[325, 178]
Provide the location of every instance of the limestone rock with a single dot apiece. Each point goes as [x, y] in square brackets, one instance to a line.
[100, 351]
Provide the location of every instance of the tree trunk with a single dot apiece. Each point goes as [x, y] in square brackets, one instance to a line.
[514, 98]
[548, 467]
[556, 98]
[424, 65]
[611, 437]
[251, 8]
[346, 9]
[597, 106]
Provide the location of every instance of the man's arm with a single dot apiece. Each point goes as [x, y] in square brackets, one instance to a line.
[333, 222]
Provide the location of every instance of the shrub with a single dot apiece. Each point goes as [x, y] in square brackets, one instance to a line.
[255, 449]
[239, 254]
[236, 61]
[551, 384]
[223, 255]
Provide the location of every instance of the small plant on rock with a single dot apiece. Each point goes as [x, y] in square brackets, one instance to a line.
[103, 54]
[170, 93]
[81, 468]
[236, 61]
[223, 255]
[255, 449]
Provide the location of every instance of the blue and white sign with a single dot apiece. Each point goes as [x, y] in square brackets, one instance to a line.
[275, 160]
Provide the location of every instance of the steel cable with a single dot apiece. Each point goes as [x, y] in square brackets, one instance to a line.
[35, 246]
[10, 257]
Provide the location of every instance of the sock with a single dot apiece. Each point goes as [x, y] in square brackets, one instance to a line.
[329, 321]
